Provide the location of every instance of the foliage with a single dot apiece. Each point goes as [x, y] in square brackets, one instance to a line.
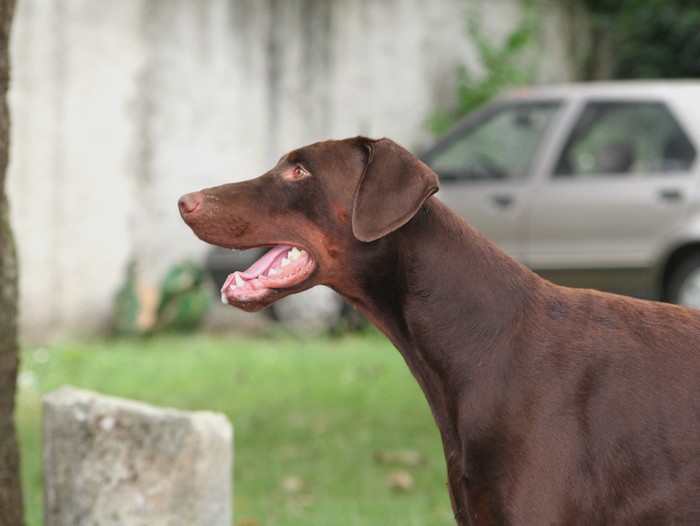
[327, 430]
[179, 303]
[127, 304]
[501, 64]
[184, 298]
[650, 38]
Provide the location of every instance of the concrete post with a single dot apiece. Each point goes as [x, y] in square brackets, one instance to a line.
[115, 462]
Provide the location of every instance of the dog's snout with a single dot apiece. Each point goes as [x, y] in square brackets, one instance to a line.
[188, 203]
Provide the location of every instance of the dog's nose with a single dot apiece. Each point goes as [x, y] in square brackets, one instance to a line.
[188, 203]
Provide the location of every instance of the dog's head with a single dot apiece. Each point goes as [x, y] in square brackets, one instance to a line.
[318, 205]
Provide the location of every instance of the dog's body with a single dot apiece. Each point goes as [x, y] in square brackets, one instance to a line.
[555, 405]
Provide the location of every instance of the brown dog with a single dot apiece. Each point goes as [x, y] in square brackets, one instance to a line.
[555, 405]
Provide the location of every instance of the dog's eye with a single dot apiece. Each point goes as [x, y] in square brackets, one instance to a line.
[298, 172]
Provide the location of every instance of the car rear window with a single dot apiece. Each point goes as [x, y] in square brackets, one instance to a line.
[623, 138]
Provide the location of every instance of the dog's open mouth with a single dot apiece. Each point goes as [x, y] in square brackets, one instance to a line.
[282, 267]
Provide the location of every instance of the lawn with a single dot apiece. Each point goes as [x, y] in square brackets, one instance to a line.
[327, 430]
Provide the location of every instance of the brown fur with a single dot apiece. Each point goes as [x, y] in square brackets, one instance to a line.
[555, 405]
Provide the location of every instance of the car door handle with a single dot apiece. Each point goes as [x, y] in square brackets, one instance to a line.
[670, 195]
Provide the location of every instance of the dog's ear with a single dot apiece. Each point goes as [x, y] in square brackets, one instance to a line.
[391, 190]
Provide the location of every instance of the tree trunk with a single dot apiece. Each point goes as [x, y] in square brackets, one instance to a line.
[11, 509]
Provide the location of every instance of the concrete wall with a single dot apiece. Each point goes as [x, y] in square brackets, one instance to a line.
[120, 106]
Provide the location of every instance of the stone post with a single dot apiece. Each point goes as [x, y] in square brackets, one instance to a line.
[115, 462]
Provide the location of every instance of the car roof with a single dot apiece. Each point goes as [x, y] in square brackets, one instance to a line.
[685, 89]
[683, 95]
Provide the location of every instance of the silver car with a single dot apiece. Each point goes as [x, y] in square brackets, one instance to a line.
[590, 185]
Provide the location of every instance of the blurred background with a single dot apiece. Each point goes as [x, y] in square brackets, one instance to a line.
[119, 107]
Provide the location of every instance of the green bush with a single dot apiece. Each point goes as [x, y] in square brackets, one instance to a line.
[502, 65]
[648, 38]
[179, 303]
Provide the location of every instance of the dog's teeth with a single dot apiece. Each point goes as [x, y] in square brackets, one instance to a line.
[224, 299]
[294, 253]
[272, 272]
[285, 262]
[239, 281]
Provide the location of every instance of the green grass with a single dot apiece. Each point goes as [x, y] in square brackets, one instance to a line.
[327, 431]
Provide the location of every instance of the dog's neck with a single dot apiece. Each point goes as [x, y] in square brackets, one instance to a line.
[437, 281]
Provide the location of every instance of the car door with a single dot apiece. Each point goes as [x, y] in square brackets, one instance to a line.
[484, 167]
[619, 185]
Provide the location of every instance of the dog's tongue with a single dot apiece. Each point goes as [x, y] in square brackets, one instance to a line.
[281, 267]
[262, 264]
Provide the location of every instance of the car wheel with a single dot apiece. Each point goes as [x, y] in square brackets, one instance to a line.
[684, 286]
[311, 312]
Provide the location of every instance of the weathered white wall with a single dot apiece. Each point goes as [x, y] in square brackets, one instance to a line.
[71, 179]
[120, 106]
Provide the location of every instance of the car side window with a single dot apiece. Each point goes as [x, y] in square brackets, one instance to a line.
[499, 146]
[625, 138]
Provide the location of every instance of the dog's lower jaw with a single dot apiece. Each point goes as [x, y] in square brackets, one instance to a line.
[267, 298]
[282, 271]
[264, 299]
[248, 307]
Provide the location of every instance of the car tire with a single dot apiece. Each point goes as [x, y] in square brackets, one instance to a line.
[311, 312]
[684, 285]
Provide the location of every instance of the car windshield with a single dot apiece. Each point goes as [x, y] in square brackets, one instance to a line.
[499, 143]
